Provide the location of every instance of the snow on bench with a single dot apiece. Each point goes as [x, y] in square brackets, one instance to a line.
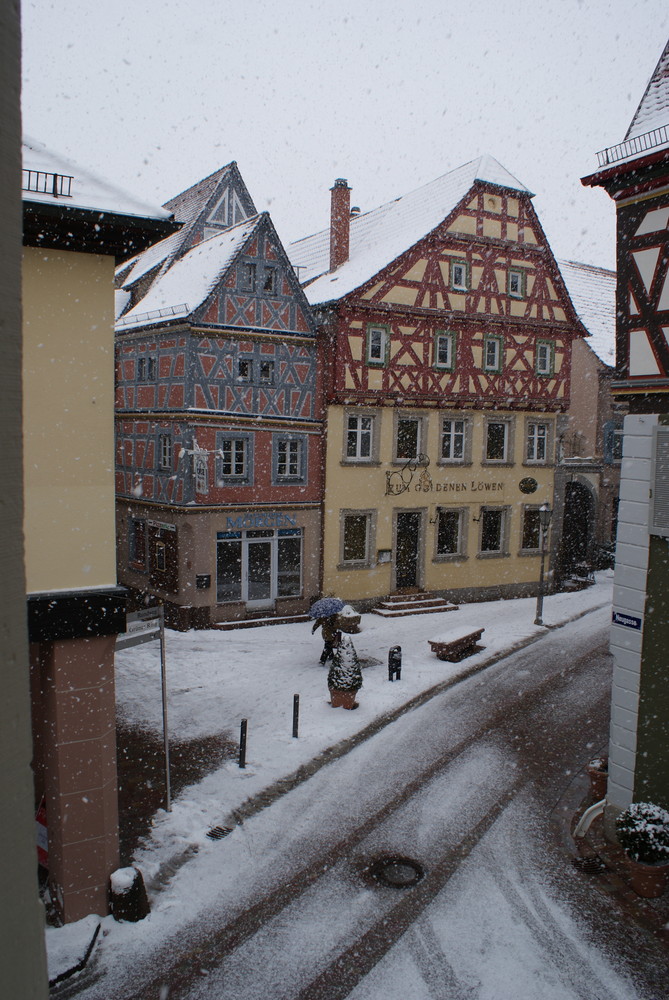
[456, 644]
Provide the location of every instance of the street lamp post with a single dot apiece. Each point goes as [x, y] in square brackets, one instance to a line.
[545, 514]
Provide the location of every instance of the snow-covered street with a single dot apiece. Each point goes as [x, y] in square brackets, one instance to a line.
[282, 899]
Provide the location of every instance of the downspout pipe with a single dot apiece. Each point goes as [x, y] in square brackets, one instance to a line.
[588, 818]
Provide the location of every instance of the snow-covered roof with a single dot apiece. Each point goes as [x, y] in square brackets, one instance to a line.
[379, 236]
[186, 284]
[85, 191]
[653, 110]
[592, 291]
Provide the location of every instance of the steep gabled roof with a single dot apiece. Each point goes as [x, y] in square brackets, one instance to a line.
[378, 237]
[653, 110]
[184, 286]
[592, 291]
[190, 208]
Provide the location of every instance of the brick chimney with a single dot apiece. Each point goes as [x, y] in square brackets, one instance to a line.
[340, 215]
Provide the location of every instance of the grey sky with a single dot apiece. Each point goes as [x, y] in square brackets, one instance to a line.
[155, 94]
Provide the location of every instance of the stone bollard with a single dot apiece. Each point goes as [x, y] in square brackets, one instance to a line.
[127, 895]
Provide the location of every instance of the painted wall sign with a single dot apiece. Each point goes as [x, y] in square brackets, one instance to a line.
[271, 519]
[627, 621]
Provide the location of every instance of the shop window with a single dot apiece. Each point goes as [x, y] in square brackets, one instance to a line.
[229, 567]
[450, 535]
[289, 563]
[356, 542]
[494, 530]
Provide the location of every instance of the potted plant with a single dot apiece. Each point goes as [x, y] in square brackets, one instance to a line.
[643, 834]
[345, 675]
[598, 772]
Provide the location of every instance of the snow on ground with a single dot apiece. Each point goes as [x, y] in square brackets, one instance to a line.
[215, 679]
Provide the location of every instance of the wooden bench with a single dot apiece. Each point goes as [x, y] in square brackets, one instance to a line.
[457, 644]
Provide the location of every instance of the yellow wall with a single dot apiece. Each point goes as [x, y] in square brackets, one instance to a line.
[68, 410]
[363, 487]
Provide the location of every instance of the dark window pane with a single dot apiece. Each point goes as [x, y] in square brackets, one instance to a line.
[491, 531]
[290, 566]
[496, 441]
[355, 538]
[407, 438]
[531, 529]
[229, 571]
[448, 532]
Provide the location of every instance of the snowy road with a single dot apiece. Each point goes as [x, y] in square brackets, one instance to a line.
[466, 785]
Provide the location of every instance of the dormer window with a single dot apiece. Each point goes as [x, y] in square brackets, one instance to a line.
[516, 283]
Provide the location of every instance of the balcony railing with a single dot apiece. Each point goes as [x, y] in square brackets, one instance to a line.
[153, 314]
[632, 147]
[41, 182]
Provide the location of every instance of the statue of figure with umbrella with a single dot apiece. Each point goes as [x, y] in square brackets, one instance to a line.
[326, 611]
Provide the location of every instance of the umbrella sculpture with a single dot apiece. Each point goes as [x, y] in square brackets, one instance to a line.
[326, 607]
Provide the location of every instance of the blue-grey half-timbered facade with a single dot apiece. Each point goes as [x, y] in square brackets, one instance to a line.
[218, 419]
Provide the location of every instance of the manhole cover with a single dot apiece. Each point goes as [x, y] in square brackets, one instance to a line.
[396, 872]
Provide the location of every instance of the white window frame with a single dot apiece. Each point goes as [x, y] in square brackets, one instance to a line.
[465, 433]
[378, 339]
[359, 434]
[496, 340]
[444, 337]
[533, 439]
[519, 292]
[289, 459]
[457, 284]
[231, 448]
[544, 365]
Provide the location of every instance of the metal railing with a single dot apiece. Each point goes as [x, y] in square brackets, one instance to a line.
[632, 147]
[42, 182]
[153, 314]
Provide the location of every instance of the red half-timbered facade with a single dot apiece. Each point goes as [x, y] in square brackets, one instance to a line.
[448, 333]
[218, 443]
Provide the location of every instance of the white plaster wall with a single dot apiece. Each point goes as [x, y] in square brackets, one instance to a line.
[629, 598]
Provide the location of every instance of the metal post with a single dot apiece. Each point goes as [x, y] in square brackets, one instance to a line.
[242, 743]
[296, 714]
[166, 739]
[545, 514]
[394, 663]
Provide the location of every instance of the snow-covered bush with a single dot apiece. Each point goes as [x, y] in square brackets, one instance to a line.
[643, 832]
[345, 673]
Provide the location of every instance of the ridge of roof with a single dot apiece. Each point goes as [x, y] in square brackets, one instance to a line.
[379, 236]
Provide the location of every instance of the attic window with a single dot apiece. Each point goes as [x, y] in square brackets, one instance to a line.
[269, 284]
[459, 275]
[247, 277]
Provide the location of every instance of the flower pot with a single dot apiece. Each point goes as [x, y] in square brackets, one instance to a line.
[648, 881]
[598, 772]
[342, 699]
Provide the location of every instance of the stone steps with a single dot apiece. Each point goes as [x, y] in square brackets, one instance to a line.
[258, 622]
[402, 605]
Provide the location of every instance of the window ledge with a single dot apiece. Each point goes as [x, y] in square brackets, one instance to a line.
[493, 555]
[455, 557]
[494, 462]
[366, 462]
[356, 565]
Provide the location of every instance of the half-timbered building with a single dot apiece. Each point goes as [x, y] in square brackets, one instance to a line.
[635, 173]
[218, 424]
[448, 334]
